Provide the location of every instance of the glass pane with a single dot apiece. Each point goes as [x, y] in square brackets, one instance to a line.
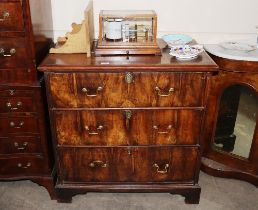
[236, 120]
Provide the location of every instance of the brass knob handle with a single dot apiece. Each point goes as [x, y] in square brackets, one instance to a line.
[155, 127]
[12, 51]
[99, 128]
[18, 105]
[97, 163]
[161, 92]
[13, 125]
[86, 90]
[22, 147]
[5, 15]
[161, 171]
[20, 165]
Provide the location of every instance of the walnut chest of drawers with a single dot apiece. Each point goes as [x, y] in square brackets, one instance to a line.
[24, 147]
[127, 124]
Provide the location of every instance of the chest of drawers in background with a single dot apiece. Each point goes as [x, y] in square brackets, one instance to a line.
[127, 124]
[24, 141]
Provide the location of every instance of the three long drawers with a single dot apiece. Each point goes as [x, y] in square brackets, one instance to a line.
[127, 127]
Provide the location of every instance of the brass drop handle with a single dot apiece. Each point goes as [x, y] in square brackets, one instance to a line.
[11, 52]
[161, 171]
[20, 125]
[161, 94]
[26, 166]
[85, 90]
[97, 163]
[99, 128]
[5, 15]
[18, 105]
[155, 127]
[22, 147]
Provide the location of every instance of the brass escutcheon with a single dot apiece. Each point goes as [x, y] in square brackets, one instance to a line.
[128, 77]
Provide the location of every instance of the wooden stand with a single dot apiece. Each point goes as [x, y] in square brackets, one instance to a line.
[190, 192]
[81, 37]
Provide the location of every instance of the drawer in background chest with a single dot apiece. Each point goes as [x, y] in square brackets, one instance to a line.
[17, 104]
[18, 124]
[127, 164]
[133, 89]
[14, 53]
[19, 144]
[18, 76]
[17, 101]
[23, 166]
[127, 127]
[11, 16]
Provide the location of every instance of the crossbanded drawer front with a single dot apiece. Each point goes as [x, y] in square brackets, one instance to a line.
[11, 16]
[12, 92]
[17, 75]
[23, 166]
[126, 89]
[14, 53]
[18, 124]
[127, 127]
[128, 164]
[17, 104]
[20, 144]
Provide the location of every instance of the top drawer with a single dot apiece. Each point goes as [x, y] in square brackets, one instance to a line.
[11, 16]
[83, 90]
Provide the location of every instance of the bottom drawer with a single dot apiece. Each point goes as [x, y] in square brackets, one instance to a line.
[22, 166]
[128, 164]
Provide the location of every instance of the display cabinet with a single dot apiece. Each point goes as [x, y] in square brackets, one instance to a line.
[231, 133]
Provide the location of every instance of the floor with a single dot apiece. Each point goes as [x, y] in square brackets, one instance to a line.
[217, 194]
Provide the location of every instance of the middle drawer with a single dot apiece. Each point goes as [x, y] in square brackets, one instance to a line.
[18, 124]
[127, 127]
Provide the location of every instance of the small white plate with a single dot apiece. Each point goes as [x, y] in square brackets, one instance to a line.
[186, 52]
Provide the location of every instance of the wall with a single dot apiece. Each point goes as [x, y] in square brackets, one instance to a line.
[208, 21]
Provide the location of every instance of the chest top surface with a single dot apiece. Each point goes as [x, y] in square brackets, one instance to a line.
[165, 62]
